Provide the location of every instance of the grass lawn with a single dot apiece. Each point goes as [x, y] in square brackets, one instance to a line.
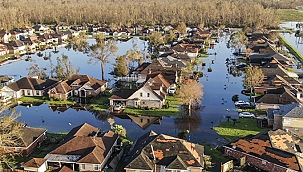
[243, 127]
[99, 103]
[214, 153]
[44, 99]
[173, 109]
[290, 15]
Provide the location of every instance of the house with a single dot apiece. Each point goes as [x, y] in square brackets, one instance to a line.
[84, 149]
[5, 80]
[277, 96]
[4, 36]
[276, 81]
[27, 86]
[30, 138]
[277, 70]
[263, 59]
[3, 49]
[145, 96]
[35, 165]
[31, 44]
[19, 45]
[46, 38]
[78, 86]
[159, 152]
[61, 26]
[40, 28]
[288, 117]
[269, 151]
[191, 50]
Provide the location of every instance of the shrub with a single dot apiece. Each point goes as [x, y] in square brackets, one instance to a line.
[209, 69]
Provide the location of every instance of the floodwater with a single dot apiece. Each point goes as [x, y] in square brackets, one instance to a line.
[219, 87]
[297, 42]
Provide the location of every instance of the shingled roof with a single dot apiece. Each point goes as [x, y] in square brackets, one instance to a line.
[32, 83]
[265, 146]
[34, 162]
[83, 144]
[28, 136]
[165, 150]
[278, 96]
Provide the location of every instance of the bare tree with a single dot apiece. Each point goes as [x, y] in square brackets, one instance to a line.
[102, 51]
[238, 40]
[191, 94]
[65, 68]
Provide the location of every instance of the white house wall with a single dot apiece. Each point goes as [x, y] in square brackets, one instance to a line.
[144, 92]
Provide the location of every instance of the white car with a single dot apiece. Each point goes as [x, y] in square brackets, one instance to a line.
[241, 102]
[117, 107]
[246, 115]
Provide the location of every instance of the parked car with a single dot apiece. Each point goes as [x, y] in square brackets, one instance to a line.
[117, 107]
[246, 115]
[241, 102]
[250, 105]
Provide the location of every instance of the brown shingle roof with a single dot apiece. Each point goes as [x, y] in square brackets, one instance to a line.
[32, 83]
[28, 136]
[85, 141]
[168, 151]
[260, 146]
[34, 162]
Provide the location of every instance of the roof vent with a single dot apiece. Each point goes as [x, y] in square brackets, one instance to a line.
[234, 147]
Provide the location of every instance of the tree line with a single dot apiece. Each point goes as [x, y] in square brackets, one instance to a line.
[16, 13]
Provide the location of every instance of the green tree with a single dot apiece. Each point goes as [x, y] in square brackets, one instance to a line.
[253, 77]
[191, 94]
[10, 135]
[238, 40]
[120, 67]
[65, 68]
[102, 51]
[119, 129]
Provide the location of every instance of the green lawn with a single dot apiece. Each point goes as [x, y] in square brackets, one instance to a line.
[243, 127]
[173, 110]
[44, 99]
[214, 153]
[294, 51]
[99, 103]
[290, 15]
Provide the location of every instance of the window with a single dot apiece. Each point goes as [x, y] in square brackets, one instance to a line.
[96, 167]
[28, 92]
[82, 166]
[141, 94]
[37, 93]
[148, 94]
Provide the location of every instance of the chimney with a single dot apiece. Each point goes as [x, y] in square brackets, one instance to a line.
[149, 71]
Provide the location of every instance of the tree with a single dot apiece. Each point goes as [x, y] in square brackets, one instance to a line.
[238, 40]
[253, 77]
[171, 37]
[120, 67]
[35, 70]
[102, 51]
[235, 98]
[181, 27]
[155, 39]
[134, 54]
[119, 129]
[191, 94]
[10, 135]
[79, 42]
[65, 68]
